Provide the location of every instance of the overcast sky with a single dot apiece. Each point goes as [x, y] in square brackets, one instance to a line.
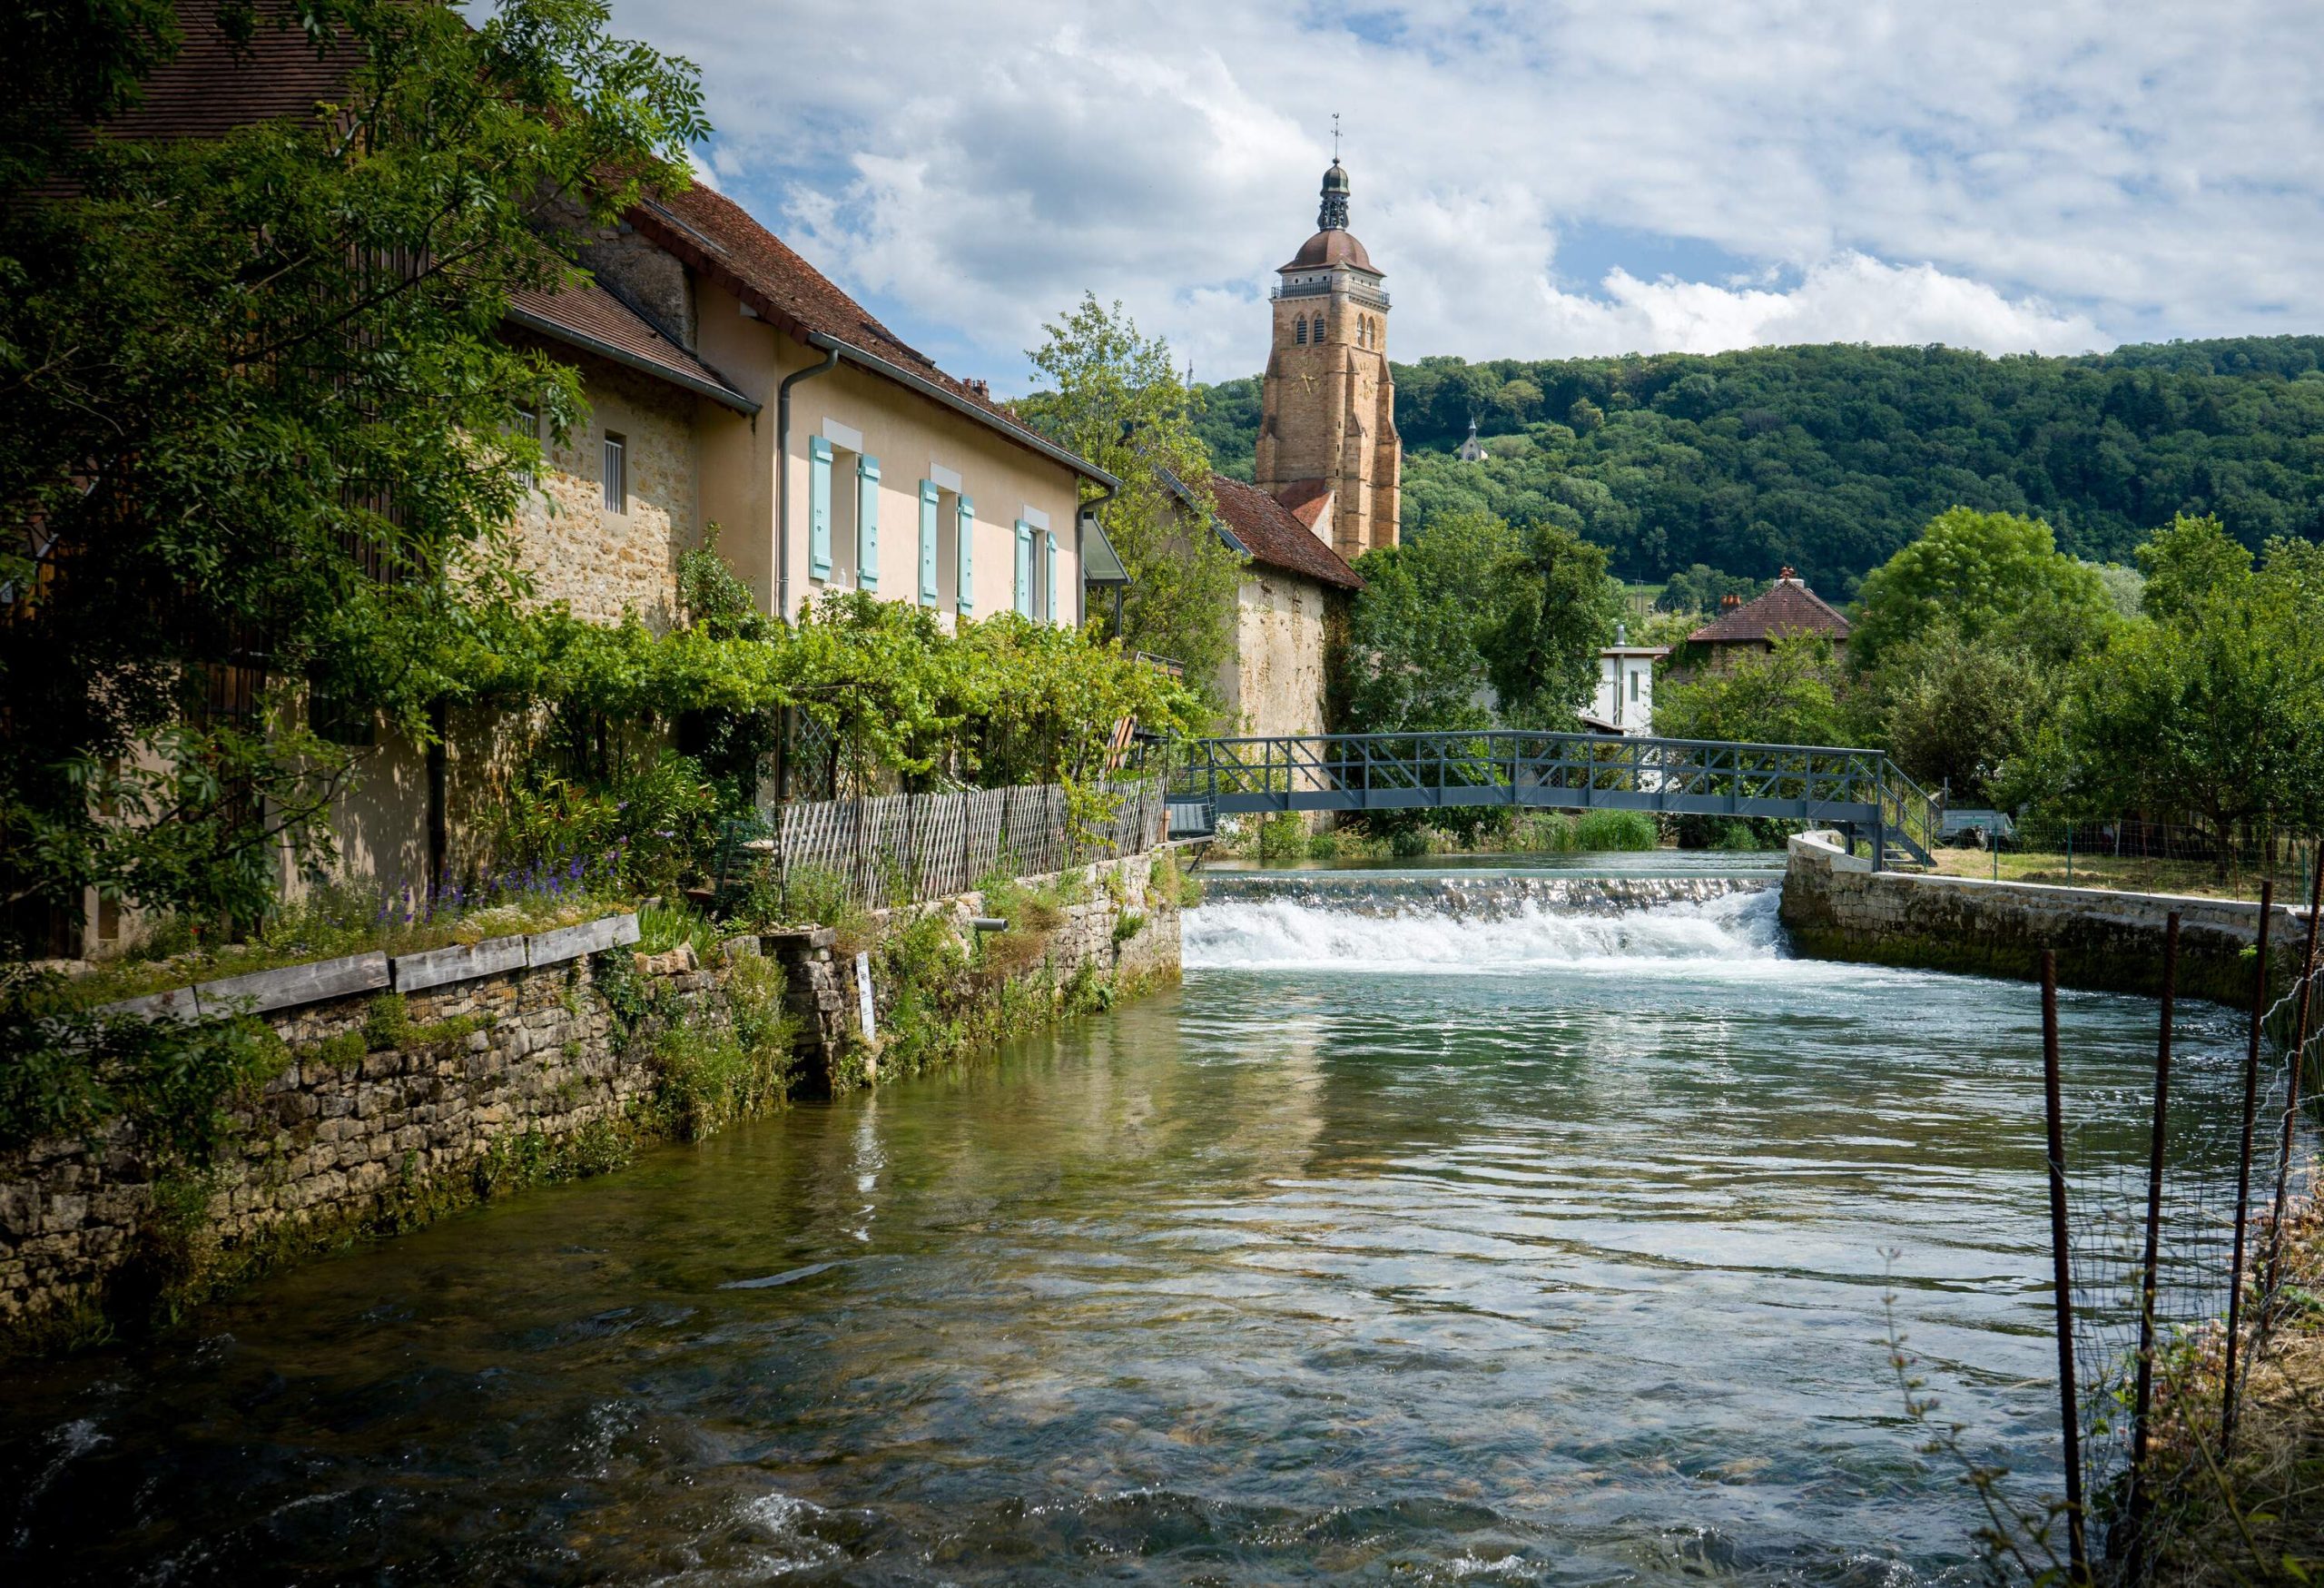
[1537, 180]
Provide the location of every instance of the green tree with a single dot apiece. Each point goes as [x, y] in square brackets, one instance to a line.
[1954, 712]
[1115, 398]
[1789, 694]
[1559, 610]
[2187, 562]
[255, 450]
[1418, 630]
[1989, 575]
[2214, 711]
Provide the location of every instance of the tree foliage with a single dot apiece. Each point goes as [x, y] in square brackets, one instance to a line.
[256, 452]
[1831, 458]
[1986, 575]
[1416, 656]
[1558, 609]
[1113, 399]
[1791, 694]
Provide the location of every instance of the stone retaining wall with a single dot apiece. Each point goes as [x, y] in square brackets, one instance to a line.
[504, 1077]
[1836, 907]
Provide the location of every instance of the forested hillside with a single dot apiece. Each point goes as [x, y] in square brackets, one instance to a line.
[1830, 458]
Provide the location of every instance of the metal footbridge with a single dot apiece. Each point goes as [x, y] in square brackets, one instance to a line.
[1860, 791]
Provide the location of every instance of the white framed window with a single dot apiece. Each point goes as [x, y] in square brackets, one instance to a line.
[617, 472]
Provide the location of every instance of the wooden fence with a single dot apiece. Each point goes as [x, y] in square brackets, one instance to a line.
[899, 849]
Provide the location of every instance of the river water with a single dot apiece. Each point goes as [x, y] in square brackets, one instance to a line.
[1461, 1244]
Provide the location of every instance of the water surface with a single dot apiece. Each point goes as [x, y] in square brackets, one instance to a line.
[1541, 1249]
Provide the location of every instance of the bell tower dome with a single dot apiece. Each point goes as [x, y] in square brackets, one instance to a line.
[1328, 447]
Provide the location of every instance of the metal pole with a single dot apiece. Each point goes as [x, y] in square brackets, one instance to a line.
[2061, 1271]
[2303, 990]
[2243, 1167]
[2144, 1402]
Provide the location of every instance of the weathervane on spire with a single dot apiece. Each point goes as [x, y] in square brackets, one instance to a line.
[1332, 216]
[1335, 137]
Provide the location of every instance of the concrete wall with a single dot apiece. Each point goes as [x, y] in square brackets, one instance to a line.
[538, 1080]
[1274, 682]
[1836, 907]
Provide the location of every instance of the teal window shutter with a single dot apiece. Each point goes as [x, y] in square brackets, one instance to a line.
[1049, 562]
[928, 494]
[1024, 568]
[819, 506]
[867, 523]
[965, 598]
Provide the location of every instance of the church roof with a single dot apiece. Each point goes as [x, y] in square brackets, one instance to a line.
[1789, 608]
[1332, 246]
[1272, 536]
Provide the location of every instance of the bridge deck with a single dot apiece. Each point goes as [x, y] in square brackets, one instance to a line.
[1396, 772]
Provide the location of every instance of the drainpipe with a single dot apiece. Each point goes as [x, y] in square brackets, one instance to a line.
[783, 478]
[1081, 567]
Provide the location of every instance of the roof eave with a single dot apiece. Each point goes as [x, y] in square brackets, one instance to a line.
[544, 326]
[922, 384]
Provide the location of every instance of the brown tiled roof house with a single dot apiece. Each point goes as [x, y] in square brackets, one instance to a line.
[1789, 608]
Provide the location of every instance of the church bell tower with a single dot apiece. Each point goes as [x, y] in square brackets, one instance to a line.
[1328, 447]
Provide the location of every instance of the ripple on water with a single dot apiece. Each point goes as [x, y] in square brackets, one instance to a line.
[1411, 1247]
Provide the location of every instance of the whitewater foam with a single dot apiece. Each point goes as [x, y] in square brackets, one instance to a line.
[1736, 932]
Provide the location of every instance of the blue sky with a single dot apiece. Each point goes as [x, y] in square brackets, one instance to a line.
[1538, 180]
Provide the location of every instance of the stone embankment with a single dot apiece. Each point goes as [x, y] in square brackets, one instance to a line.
[411, 1087]
[1836, 907]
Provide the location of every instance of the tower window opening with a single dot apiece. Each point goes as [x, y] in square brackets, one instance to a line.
[1299, 332]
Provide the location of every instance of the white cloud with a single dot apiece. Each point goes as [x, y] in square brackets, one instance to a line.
[2007, 177]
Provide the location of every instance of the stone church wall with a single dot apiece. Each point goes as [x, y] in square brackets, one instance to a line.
[1274, 683]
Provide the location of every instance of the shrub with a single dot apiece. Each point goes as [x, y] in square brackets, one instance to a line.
[1411, 842]
[1129, 925]
[1282, 836]
[1544, 832]
[1599, 831]
[663, 927]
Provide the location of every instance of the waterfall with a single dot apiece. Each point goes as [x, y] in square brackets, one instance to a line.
[1485, 926]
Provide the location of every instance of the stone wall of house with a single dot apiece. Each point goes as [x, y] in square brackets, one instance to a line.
[600, 562]
[514, 1066]
[1836, 907]
[1274, 683]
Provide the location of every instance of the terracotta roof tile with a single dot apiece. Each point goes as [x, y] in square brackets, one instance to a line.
[1304, 500]
[718, 237]
[1273, 537]
[211, 88]
[596, 319]
[1790, 608]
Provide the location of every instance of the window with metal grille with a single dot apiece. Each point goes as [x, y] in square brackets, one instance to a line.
[527, 424]
[616, 473]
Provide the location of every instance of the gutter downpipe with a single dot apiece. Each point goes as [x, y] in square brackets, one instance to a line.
[782, 476]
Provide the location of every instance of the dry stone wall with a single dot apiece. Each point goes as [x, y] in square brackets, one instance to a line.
[508, 1066]
[1836, 907]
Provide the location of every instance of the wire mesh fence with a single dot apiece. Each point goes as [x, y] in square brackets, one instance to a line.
[2173, 1286]
[2154, 857]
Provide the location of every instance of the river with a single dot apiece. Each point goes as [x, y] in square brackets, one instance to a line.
[1476, 1245]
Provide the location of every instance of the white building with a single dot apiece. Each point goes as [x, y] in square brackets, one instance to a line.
[1625, 701]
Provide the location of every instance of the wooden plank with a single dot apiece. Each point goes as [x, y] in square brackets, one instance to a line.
[461, 962]
[262, 991]
[572, 943]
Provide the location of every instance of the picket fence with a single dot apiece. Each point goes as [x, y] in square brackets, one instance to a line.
[900, 849]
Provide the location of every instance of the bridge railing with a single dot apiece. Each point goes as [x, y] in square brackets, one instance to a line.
[1511, 768]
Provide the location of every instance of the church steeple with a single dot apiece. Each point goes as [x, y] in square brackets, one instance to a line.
[1332, 215]
[1328, 449]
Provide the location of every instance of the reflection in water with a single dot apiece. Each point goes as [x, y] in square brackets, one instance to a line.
[1551, 1252]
